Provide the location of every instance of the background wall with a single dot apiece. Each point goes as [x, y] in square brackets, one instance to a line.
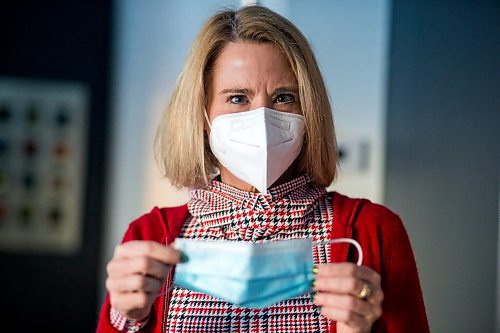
[443, 153]
[63, 41]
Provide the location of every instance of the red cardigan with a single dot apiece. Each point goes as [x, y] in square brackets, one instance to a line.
[380, 232]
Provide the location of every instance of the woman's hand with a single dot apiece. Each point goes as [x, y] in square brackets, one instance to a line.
[338, 288]
[136, 274]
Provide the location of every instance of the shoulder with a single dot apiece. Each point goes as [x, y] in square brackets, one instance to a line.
[380, 231]
[363, 214]
[160, 224]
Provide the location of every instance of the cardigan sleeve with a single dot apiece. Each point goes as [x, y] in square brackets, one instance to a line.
[152, 226]
[384, 234]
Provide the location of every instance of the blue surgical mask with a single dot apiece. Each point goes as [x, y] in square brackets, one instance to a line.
[254, 275]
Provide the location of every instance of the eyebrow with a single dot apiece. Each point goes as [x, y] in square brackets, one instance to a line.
[242, 91]
[282, 90]
[245, 91]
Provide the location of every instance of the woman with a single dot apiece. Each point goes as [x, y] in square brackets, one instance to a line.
[249, 126]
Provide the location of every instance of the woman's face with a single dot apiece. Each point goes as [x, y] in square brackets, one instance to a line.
[248, 76]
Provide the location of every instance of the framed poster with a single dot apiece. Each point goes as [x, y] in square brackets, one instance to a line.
[43, 136]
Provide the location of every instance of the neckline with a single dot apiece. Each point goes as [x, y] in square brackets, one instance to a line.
[239, 196]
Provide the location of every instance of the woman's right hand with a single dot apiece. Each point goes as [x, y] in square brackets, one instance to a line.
[136, 274]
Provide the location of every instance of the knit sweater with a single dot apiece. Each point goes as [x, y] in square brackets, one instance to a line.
[379, 231]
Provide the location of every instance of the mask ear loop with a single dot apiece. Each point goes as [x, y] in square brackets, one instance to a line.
[206, 118]
[345, 240]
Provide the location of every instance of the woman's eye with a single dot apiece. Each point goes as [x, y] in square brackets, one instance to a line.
[285, 98]
[237, 99]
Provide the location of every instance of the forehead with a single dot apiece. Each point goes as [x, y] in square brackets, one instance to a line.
[245, 61]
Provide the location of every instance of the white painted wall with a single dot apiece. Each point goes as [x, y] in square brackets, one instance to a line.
[152, 39]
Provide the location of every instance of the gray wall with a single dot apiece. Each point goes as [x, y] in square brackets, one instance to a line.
[63, 41]
[443, 153]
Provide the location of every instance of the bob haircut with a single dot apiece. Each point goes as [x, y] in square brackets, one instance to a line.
[182, 146]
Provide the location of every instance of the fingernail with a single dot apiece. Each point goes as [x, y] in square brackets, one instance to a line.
[315, 270]
[184, 258]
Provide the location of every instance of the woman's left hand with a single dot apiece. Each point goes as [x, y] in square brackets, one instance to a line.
[339, 290]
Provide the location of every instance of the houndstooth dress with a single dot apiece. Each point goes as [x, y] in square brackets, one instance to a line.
[296, 209]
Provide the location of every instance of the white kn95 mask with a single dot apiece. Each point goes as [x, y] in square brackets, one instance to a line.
[257, 146]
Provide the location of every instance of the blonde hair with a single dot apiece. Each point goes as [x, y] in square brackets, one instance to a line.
[182, 147]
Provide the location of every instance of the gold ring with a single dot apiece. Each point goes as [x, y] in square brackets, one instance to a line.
[365, 292]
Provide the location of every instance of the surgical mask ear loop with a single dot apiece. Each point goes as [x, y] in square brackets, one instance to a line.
[345, 240]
